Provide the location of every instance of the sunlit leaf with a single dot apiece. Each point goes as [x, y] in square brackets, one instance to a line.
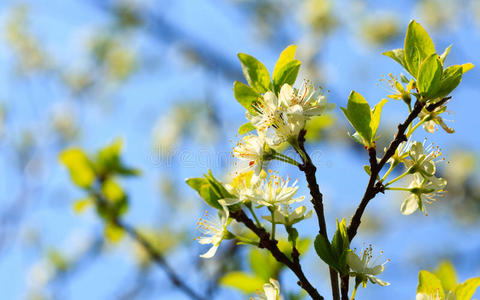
[255, 73]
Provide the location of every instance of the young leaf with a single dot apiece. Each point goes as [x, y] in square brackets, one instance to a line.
[247, 127]
[324, 251]
[255, 72]
[445, 53]
[245, 95]
[287, 55]
[447, 275]
[466, 290]
[242, 281]
[263, 264]
[340, 246]
[429, 284]
[79, 167]
[287, 74]
[397, 55]
[376, 114]
[203, 188]
[451, 78]
[418, 46]
[359, 114]
[429, 76]
[467, 67]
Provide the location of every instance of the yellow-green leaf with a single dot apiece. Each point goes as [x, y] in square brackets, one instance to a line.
[287, 55]
[359, 114]
[255, 72]
[286, 75]
[467, 67]
[429, 284]
[397, 55]
[113, 233]
[242, 281]
[376, 114]
[418, 46]
[447, 275]
[245, 95]
[112, 191]
[466, 290]
[429, 76]
[80, 205]
[79, 166]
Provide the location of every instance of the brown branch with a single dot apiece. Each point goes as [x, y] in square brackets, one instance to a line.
[271, 245]
[160, 260]
[374, 187]
[317, 200]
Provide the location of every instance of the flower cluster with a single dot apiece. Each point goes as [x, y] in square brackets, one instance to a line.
[281, 118]
[277, 119]
[420, 161]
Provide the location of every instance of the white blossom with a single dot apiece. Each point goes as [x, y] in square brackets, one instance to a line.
[365, 268]
[214, 231]
[423, 190]
[284, 215]
[275, 191]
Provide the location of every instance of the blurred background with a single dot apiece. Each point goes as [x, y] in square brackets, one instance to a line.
[159, 76]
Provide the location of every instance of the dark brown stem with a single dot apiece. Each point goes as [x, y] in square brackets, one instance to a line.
[271, 245]
[160, 260]
[317, 200]
[344, 286]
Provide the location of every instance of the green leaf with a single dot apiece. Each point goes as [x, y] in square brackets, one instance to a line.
[324, 251]
[429, 284]
[466, 290]
[255, 72]
[286, 75]
[263, 264]
[376, 114]
[418, 46]
[445, 53]
[202, 186]
[287, 55]
[340, 246]
[367, 169]
[247, 127]
[397, 55]
[79, 167]
[217, 185]
[359, 114]
[447, 275]
[108, 160]
[429, 76]
[242, 281]
[245, 95]
[450, 80]
[80, 205]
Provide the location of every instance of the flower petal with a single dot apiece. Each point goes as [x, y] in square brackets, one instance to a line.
[409, 205]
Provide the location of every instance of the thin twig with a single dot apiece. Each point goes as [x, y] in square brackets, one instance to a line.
[160, 260]
[271, 245]
[317, 200]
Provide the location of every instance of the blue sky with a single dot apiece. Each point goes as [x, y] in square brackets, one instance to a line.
[412, 242]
